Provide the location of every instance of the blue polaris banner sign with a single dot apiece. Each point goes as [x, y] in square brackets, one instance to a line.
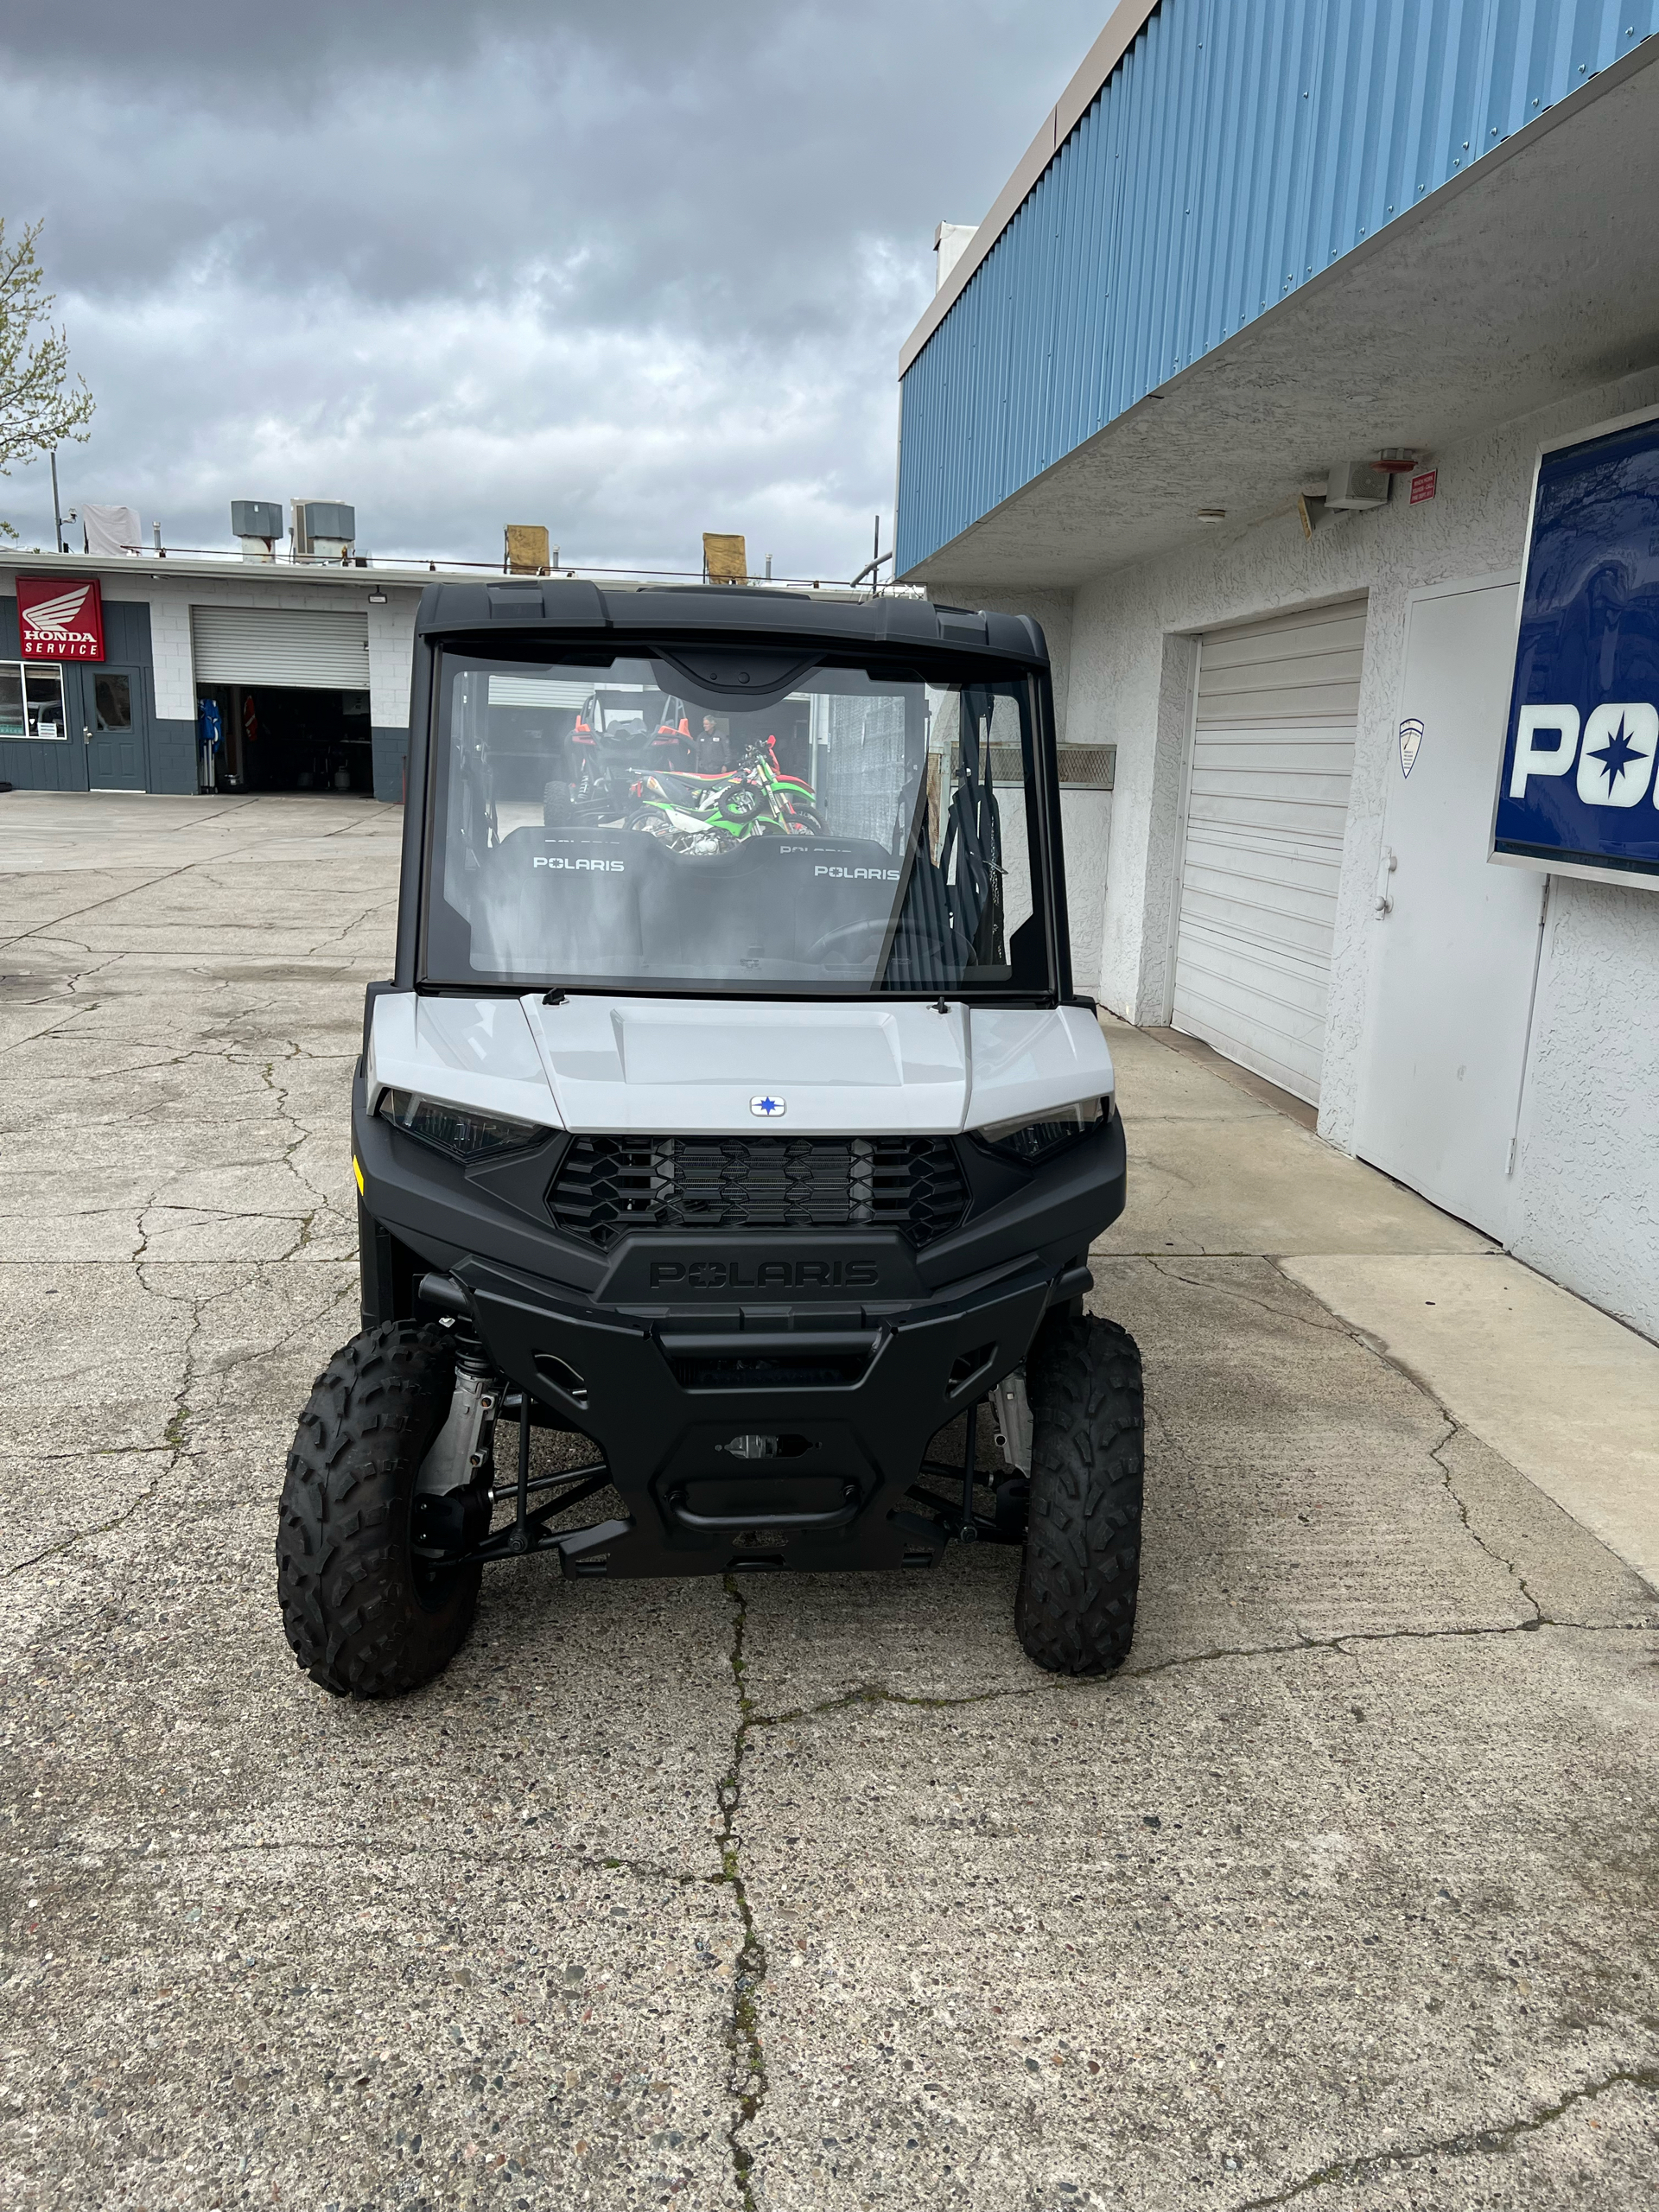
[1579, 790]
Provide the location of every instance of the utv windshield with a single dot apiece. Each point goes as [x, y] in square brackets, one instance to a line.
[841, 831]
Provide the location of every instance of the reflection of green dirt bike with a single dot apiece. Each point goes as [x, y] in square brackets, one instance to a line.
[793, 800]
[703, 814]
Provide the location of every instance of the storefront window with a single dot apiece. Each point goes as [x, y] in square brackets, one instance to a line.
[31, 699]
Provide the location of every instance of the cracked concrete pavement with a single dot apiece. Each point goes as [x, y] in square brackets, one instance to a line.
[805, 1893]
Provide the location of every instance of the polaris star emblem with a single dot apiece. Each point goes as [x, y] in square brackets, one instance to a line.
[768, 1106]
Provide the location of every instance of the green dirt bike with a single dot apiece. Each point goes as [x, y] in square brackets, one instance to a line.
[702, 813]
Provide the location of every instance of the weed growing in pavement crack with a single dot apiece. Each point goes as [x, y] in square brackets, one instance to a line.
[748, 2063]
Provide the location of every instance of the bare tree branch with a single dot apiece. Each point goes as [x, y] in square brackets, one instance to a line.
[37, 413]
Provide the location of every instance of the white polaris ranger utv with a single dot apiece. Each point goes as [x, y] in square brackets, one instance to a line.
[732, 1109]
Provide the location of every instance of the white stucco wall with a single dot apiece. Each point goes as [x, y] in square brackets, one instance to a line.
[1589, 1157]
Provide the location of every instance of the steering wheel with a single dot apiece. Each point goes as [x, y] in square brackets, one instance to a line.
[833, 939]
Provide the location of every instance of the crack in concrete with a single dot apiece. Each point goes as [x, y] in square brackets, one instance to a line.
[57, 1029]
[747, 2081]
[1163, 1266]
[879, 1694]
[875, 1694]
[176, 1444]
[1478, 2142]
[1340, 1644]
[1454, 1428]
[100, 1529]
[127, 891]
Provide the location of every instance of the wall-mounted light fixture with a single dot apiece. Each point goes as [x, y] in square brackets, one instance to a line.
[1355, 485]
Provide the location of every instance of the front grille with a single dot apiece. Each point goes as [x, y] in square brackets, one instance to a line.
[607, 1186]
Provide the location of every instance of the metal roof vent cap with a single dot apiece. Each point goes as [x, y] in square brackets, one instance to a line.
[324, 530]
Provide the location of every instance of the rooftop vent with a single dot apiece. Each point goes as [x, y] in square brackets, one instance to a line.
[324, 530]
[258, 523]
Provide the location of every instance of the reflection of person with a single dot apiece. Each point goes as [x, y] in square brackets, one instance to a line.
[711, 745]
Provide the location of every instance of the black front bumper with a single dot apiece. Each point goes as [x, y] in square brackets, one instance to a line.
[846, 1350]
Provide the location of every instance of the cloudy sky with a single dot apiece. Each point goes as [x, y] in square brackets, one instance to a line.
[636, 270]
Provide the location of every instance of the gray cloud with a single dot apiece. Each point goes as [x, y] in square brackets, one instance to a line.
[634, 271]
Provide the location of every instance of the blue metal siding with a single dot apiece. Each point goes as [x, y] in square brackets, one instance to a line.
[1239, 147]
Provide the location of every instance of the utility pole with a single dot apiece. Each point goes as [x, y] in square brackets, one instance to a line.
[57, 517]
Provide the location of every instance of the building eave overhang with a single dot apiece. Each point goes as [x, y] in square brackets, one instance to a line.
[1525, 278]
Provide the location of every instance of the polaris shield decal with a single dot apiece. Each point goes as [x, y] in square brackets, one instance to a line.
[1577, 784]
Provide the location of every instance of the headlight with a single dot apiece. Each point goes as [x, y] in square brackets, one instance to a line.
[461, 1131]
[1055, 1129]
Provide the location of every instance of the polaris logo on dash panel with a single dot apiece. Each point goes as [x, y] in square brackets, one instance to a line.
[58, 624]
[580, 868]
[764, 1274]
[1613, 751]
[859, 874]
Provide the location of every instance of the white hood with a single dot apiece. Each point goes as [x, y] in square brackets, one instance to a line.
[702, 1066]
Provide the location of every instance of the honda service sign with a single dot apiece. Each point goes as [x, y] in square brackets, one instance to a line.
[59, 621]
[1578, 790]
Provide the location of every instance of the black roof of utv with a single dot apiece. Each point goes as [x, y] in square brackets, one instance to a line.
[492, 612]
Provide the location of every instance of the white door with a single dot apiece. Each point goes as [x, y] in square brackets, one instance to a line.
[1272, 756]
[1452, 962]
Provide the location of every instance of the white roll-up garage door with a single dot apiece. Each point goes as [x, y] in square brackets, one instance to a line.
[1273, 757]
[319, 649]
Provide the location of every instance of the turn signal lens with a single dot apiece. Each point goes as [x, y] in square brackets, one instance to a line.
[1033, 1141]
[461, 1131]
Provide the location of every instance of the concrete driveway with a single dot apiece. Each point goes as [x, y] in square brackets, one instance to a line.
[811, 1893]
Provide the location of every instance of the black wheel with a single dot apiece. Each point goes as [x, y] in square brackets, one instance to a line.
[1075, 1609]
[365, 1617]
